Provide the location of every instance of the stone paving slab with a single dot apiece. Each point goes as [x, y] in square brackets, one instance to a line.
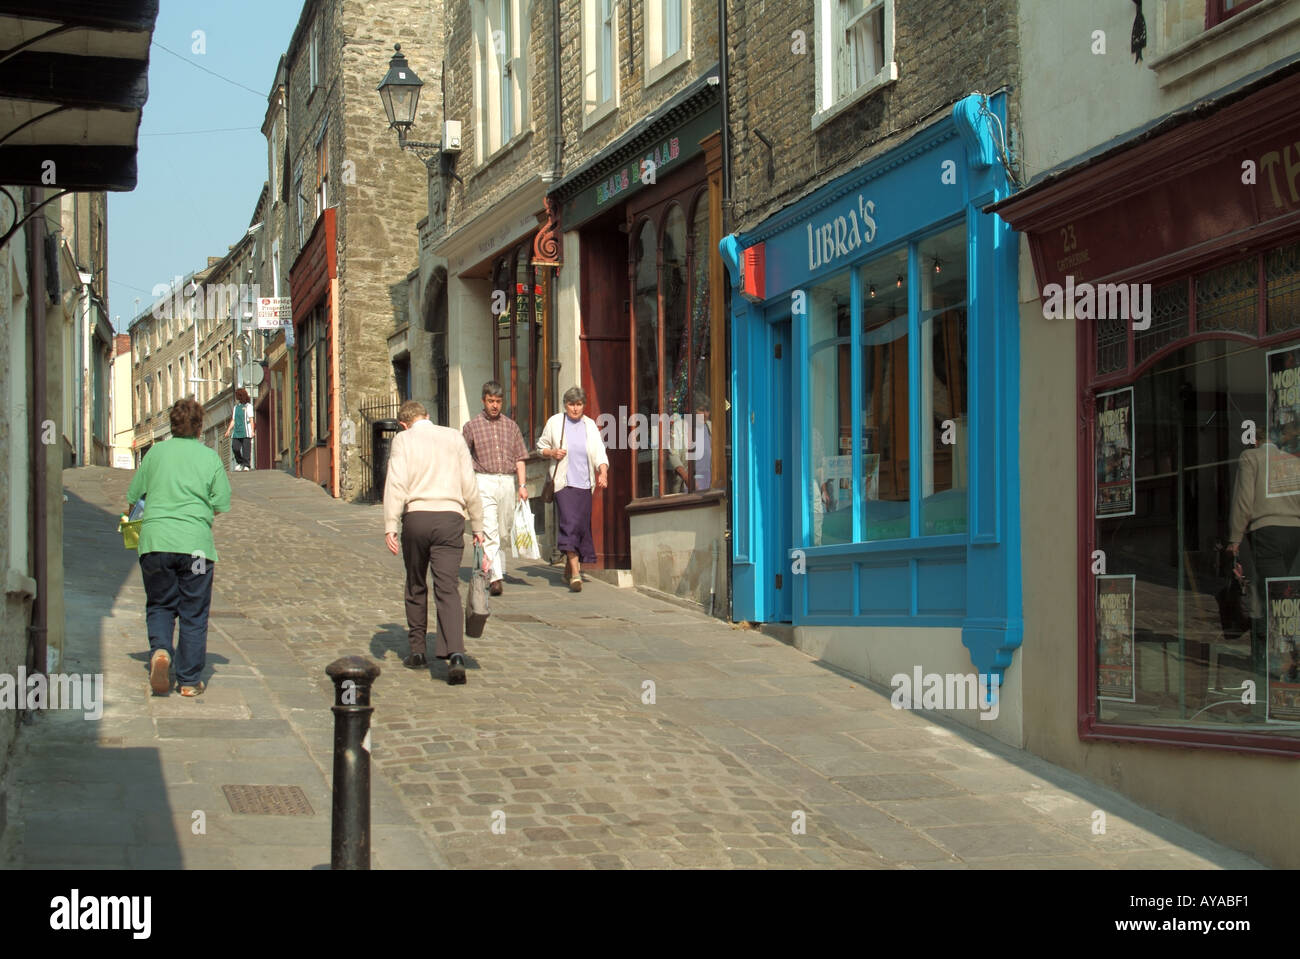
[751, 755]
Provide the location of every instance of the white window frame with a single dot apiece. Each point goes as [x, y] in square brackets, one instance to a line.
[657, 64]
[501, 74]
[837, 86]
[313, 58]
[299, 205]
[322, 175]
[599, 60]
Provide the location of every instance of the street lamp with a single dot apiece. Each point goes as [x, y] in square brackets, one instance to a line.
[400, 93]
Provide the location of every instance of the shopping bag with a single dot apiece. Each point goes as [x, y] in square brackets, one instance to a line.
[476, 598]
[523, 544]
[129, 525]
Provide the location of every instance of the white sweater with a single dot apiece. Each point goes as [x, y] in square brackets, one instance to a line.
[552, 438]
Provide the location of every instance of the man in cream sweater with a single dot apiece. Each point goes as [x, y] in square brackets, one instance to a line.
[430, 488]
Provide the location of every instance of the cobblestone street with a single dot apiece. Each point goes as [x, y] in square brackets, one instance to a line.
[746, 739]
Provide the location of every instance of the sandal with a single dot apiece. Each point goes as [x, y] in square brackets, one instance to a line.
[195, 690]
[575, 584]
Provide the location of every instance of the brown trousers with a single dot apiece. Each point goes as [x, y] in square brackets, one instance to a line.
[437, 540]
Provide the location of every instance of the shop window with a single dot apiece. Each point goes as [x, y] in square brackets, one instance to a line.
[830, 411]
[1282, 274]
[918, 291]
[313, 381]
[517, 346]
[671, 427]
[941, 269]
[1192, 483]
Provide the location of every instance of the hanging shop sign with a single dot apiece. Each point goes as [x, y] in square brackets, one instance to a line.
[1114, 453]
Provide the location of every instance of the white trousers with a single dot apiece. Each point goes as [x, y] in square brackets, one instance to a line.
[498, 492]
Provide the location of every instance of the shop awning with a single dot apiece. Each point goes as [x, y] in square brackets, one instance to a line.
[73, 84]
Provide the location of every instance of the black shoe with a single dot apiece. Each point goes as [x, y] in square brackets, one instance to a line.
[415, 661]
[456, 670]
[496, 588]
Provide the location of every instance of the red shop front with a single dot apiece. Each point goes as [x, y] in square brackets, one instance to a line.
[1177, 256]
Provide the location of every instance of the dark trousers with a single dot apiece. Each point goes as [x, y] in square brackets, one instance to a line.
[239, 449]
[173, 588]
[1276, 550]
[437, 540]
[573, 523]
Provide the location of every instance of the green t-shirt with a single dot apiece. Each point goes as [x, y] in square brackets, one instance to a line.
[185, 484]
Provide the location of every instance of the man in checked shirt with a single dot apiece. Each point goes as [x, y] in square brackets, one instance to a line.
[498, 450]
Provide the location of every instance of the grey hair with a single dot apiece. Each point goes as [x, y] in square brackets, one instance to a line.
[575, 394]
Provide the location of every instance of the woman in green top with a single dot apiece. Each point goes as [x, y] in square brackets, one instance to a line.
[241, 424]
[185, 485]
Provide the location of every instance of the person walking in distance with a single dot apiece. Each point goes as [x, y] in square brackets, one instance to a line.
[185, 485]
[241, 424]
[582, 467]
[497, 448]
[429, 490]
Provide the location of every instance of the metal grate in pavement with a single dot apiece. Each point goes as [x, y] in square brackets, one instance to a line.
[268, 800]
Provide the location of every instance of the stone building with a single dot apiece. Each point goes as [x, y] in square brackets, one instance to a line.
[579, 242]
[1160, 330]
[352, 199]
[873, 337]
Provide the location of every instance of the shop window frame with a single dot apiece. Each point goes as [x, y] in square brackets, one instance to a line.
[917, 542]
[1090, 727]
[504, 279]
[690, 200]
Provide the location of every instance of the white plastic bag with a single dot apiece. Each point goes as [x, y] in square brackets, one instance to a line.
[523, 544]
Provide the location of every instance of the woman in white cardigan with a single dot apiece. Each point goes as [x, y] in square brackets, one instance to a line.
[577, 477]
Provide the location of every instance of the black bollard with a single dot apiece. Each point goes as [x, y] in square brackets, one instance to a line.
[350, 832]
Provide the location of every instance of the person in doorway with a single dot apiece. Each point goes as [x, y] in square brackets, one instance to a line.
[241, 425]
[497, 448]
[582, 467]
[429, 490]
[185, 485]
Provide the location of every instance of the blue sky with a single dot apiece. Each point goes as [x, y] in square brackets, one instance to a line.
[196, 191]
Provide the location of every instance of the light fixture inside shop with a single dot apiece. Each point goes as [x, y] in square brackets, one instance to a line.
[937, 267]
[872, 291]
[899, 284]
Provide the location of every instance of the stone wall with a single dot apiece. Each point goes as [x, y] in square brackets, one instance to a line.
[944, 49]
[379, 190]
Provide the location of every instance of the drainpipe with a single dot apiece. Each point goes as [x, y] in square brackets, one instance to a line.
[557, 167]
[723, 90]
[38, 632]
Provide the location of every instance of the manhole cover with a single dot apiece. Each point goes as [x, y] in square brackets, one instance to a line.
[518, 618]
[268, 800]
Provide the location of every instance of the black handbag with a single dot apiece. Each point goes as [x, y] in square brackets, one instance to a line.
[1234, 602]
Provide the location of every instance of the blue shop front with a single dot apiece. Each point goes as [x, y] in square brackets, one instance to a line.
[875, 397]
